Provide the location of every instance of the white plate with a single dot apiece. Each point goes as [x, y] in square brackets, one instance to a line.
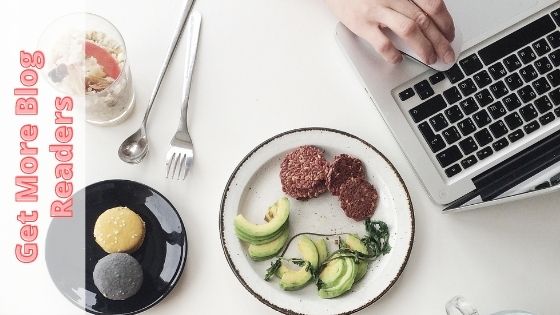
[255, 185]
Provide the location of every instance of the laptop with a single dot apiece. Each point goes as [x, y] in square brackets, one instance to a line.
[489, 127]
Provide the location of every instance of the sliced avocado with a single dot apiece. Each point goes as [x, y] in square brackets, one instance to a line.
[270, 249]
[282, 270]
[354, 243]
[296, 279]
[263, 233]
[332, 271]
[341, 283]
[308, 251]
[271, 212]
[322, 249]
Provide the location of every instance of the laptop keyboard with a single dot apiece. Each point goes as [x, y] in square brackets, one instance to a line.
[500, 94]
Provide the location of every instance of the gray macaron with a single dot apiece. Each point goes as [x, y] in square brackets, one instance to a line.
[118, 276]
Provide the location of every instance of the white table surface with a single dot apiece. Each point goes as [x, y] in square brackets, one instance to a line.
[269, 66]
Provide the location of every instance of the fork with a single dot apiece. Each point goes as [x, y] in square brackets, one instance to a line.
[180, 155]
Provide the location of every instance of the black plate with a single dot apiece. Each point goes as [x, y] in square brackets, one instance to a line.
[162, 254]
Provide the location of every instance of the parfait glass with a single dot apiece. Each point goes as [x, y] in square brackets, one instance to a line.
[86, 56]
[459, 306]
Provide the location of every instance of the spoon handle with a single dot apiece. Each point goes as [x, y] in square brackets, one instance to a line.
[170, 51]
[193, 32]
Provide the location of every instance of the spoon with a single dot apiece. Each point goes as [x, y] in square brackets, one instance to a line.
[134, 148]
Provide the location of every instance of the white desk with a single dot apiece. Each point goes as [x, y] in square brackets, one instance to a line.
[269, 66]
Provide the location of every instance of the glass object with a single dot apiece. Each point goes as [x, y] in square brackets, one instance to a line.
[86, 56]
[459, 306]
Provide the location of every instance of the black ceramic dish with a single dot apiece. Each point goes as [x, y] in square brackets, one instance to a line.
[162, 254]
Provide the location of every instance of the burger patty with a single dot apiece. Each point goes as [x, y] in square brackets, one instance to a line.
[303, 173]
[343, 168]
[358, 198]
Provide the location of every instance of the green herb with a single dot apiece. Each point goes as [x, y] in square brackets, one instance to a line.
[271, 271]
[377, 239]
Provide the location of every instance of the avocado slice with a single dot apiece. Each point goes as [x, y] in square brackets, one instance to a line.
[340, 281]
[322, 249]
[282, 270]
[263, 233]
[270, 249]
[332, 271]
[295, 279]
[308, 251]
[354, 243]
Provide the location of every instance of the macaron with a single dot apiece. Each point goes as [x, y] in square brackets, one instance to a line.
[119, 230]
[118, 276]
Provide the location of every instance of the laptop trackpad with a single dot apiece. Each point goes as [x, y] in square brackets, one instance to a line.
[480, 17]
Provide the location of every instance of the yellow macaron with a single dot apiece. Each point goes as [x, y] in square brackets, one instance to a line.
[119, 230]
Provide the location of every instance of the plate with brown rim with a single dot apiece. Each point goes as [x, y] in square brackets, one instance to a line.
[255, 184]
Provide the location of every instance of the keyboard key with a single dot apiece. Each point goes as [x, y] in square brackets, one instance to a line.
[497, 70]
[483, 137]
[498, 129]
[557, 112]
[451, 135]
[547, 118]
[470, 64]
[554, 78]
[406, 94]
[454, 114]
[482, 79]
[449, 156]
[468, 145]
[484, 97]
[466, 126]
[500, 144]
[516, 40]
[513, 81]
[541, 85]
[452, 95]
[554, 39]
[499, 89]
[497, 110]
[526, 94]
[437, 78]
[454, 74]
[527, 55]
[516, 135]
[435, 142]
[541, 47]
[482, 118]
[512, 63]
[532, 126]
[555, 57]
[468, 105]
[511, 102]
[543, 104]
[555, 96]
[428, 108]
[438, 122]
[528, 112]
[469, 161]
[484, 153]
[513, 121]
[467, 87]
[528, 73]
[543, 65]
[424, 89]
[556, 15]
[453, 170]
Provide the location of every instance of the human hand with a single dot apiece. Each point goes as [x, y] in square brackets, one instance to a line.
[425, 25]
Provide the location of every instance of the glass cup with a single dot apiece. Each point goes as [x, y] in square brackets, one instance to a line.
[459, 306]
[86, 55]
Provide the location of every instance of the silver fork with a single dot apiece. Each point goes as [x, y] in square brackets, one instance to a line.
[181, 153]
